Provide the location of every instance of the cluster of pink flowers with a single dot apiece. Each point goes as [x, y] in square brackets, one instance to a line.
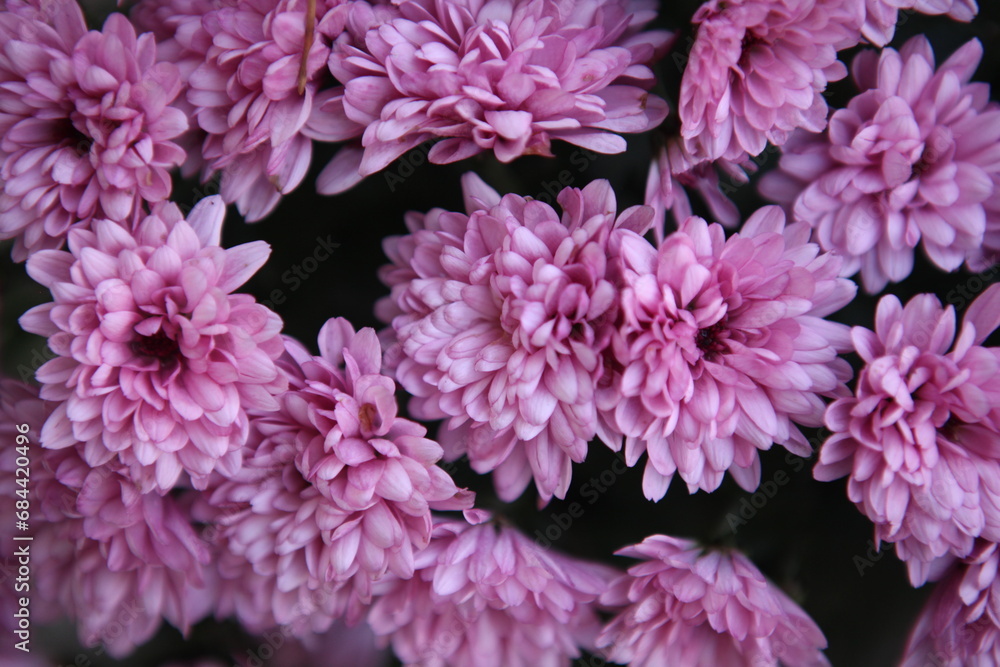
[533, 335]
[191, 461]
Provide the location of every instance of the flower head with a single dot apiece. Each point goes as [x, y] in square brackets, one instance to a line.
[958, 626]
[686, 606]
[757, 71]
[501, 316]
[908, 161]
[86, 121]
[721, 349]
[487, 596]
[918, 440]
[158, 361]
[336, 489]
[256, 71]
[510, 77]
[112, 556]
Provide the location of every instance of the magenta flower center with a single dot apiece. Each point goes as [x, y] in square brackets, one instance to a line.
[159, 345]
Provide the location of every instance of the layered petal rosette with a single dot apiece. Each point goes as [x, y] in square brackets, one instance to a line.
[336, 489]
[158, 361]
[757, 71]
[484, 75]
[686, 606]
[918, 440]
[722, 349]
[911, 160]
[257, 92]
[139, 560]
[86, 122]
[111, 558]
[959, 625]
[501, 316]
[485, 595]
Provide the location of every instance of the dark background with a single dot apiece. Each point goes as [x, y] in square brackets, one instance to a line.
[805, 535]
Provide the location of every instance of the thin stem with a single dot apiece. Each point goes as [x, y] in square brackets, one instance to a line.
[307, 42]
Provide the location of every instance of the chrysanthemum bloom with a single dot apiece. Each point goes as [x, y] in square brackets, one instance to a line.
[157, 361]
[910, 160]
[881, 16]
[115, 560]
[959, 626]
[918, 440]
[722, 349]
[687, 606]
[487, 596]
[758, 69]
[86, 123]
[139, 562]
[501, 316]
[256, 94]
[335, 486]
[503, 76]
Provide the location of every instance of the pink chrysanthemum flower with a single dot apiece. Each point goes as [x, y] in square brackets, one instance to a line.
[910, 160]
[959, 625]
[335, 487]
[687, 606]
[157, 361]
[510, 77]
[881, 16]
[115, 560]
[501, 316]
[757, 71]
[254, 100]
[722, 349]
[918, 440]
[487, 596]
[139, 560]
[86, 123]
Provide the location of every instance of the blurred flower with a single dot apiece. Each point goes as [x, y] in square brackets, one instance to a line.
[487, 596]
[959, 626]
[506, 76]
[114, 560]
[501, 316]
[157, 361]
[758, 69]
[911, 160]
[882, 15]
[86, 123]
[918, 440]
[335, 487]
[721, 349]
[340, 646]
[686, 606]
